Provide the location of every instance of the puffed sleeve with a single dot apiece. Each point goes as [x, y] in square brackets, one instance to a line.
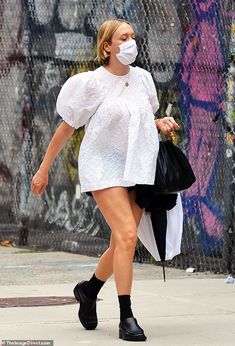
[151, 90]
[153, 94]
[79, 98]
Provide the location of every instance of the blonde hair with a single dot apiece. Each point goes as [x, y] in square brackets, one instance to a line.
[105, 34]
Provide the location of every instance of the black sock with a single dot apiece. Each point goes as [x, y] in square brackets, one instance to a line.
[125, 307]
[92, 287]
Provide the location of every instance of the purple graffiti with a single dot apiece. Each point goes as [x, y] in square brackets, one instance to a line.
[202, 97]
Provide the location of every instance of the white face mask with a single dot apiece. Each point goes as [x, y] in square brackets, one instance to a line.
[128, 52]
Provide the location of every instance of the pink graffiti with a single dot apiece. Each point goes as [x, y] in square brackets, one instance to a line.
[204, 82]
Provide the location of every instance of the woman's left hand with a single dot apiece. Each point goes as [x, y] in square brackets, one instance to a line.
[167, 124]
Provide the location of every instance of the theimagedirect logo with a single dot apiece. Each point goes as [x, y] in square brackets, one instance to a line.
[27, 343]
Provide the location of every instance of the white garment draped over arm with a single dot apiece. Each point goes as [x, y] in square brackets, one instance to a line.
[173, 233]
[79, 98]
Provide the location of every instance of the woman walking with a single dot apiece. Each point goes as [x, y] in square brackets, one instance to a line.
[116, 103]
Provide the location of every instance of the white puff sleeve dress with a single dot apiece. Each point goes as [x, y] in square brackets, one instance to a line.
[121, 141]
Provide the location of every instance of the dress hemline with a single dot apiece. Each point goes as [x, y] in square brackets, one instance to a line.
[123, 183]
[90, 188]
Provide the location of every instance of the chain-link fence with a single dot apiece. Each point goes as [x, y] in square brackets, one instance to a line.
[188, 46]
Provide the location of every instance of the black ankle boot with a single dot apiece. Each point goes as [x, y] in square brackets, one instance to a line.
[87, 310]
[130, 330]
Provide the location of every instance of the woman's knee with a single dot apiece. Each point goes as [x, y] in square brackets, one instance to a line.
[126, 239]
[114, 203]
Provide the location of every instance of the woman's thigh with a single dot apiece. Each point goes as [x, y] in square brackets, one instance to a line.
[137, 213]
[115, 205]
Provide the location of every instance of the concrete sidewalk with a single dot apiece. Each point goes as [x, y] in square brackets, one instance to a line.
[186, 310]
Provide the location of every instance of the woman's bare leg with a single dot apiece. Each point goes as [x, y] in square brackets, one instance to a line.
[117, 208]
[105, 266]
[123, 216]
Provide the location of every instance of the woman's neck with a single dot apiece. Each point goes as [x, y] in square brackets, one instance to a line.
[118, 69]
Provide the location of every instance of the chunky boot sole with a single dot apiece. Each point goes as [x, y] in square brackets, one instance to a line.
[124, 336]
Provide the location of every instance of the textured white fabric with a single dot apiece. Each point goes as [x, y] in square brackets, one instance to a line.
[173, 232]
[79, 98]
[120, 145]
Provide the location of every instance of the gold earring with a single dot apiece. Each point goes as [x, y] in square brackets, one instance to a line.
[106, 55]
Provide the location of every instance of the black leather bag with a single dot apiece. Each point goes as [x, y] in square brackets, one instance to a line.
[174, 172]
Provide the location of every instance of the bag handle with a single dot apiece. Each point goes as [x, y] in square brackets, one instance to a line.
[171, 136]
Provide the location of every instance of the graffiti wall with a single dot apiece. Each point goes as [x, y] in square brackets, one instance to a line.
[188, 46]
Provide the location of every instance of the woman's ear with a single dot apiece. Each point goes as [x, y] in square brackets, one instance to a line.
[106, 47]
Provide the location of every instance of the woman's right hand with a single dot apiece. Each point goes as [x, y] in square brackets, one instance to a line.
[167, 125]
[60, 137]
[39, 182]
